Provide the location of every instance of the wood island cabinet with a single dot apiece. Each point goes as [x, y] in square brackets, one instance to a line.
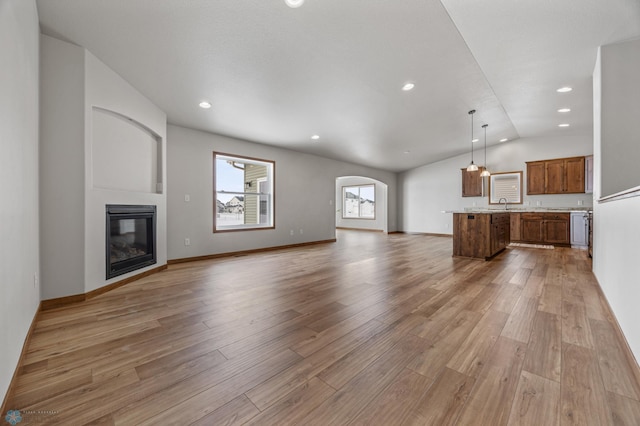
[558, 176]
[500, 232]
[472, 183]
[546, 228]
[480, 235]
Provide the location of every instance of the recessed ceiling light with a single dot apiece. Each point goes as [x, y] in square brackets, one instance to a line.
[504, 140]
[563, 125]
[564, 89]
[564, 110]
[408, 86]
[475, 140]
[205, 104]
[407, 152]
[315, 137]
[294, 3]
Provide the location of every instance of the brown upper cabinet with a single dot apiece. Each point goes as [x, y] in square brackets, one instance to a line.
[557, 176]
[535, 178]
[472, 183]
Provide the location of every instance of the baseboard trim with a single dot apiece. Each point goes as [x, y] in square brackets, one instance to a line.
[23, 353]
[60, 302]
[428, 234]
[628, 353]
[246, 252]
[359, 229]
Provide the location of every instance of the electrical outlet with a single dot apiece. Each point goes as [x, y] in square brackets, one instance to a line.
[446, 226]
[538, 203]
[291, 232]
[187, 198]
[187, 242]
[301, 232]
[35, 280]
[580, 202]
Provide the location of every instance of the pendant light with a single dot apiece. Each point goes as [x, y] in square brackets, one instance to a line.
[472, 167]
[485, 172]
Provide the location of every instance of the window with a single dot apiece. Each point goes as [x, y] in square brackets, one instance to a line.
[244, 193]
[359, 202]
[507, 185]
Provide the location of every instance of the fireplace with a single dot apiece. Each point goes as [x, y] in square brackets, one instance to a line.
[131, 238]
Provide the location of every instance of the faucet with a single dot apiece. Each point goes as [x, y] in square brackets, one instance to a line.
[506, 206]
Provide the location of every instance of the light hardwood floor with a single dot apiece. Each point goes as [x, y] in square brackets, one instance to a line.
[372, 330]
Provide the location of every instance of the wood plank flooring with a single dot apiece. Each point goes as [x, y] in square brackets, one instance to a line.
[371, 330]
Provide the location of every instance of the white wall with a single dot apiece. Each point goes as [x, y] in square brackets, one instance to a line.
[107, 90]
[62, 189]
[124, 154]
[379, 223]
[615, 230]
[19, 246]
[426, 191]
[304, 199]
[74, 82]
[620, 80]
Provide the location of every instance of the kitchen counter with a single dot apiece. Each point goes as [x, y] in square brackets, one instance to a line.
[484, 232]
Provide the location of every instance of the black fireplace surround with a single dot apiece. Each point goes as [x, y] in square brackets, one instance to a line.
[131, 238]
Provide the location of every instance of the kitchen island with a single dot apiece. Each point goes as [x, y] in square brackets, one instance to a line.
[480, 235]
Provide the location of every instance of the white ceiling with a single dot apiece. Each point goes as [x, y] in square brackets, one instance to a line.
[335, 68]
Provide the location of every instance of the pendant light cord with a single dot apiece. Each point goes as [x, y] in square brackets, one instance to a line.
[473, 111]
[485, 145]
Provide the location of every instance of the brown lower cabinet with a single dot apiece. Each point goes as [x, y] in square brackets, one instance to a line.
[531, 227]
[545, 228]
[515, 226]
[480, 235]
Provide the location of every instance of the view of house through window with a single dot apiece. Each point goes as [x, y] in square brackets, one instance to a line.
[243, 192]
[359, 202]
